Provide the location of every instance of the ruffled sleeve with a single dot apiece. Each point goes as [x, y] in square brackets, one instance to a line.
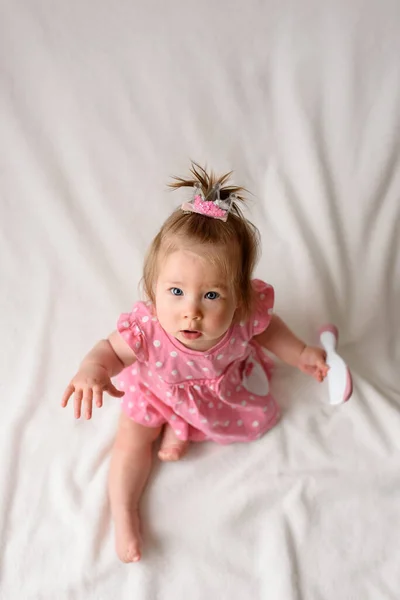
[133, 334]
[263, 306]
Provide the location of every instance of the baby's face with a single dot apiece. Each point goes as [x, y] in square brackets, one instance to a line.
[193, 302]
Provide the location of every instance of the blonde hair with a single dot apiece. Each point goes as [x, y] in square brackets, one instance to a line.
[237, 238]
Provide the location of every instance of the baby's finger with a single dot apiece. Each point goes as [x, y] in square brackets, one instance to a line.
[322, 372]
[324, 369]
[98, 396]
[77, 403]
[112, 390]
[87, 401]
[67, 395]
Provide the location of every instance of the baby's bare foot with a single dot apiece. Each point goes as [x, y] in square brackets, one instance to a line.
[172, 453]
[128, 541]
[172, 448]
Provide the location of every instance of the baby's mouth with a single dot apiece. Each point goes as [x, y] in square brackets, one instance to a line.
[190, 334]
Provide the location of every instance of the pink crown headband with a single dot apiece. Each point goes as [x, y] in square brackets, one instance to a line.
[216, 208]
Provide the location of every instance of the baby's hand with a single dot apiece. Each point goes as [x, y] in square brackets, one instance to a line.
[89, 384]
[312, 362]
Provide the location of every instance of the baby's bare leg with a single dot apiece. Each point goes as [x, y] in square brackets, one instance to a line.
[129, 470]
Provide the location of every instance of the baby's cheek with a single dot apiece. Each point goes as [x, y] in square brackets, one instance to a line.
[222, 322]
[165, 318]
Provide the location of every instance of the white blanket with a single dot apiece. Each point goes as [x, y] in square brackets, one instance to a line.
[100, 102]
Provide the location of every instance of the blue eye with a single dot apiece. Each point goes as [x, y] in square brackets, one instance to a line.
[212, 295]
[176, 291]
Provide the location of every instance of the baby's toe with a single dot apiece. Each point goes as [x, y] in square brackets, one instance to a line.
[131, 554]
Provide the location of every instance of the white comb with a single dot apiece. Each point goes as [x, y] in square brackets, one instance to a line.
[340, 384]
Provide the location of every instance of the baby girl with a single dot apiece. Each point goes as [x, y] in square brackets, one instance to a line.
[190, 360]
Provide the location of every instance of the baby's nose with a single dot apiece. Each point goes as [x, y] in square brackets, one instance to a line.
[193, 311]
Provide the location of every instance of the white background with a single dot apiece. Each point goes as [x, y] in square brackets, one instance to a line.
[100, 102]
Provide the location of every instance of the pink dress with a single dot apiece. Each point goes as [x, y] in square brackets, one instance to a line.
[221, 394]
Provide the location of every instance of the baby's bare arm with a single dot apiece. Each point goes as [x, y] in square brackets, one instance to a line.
[281, 341]
[105, 360]
[112, 353]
